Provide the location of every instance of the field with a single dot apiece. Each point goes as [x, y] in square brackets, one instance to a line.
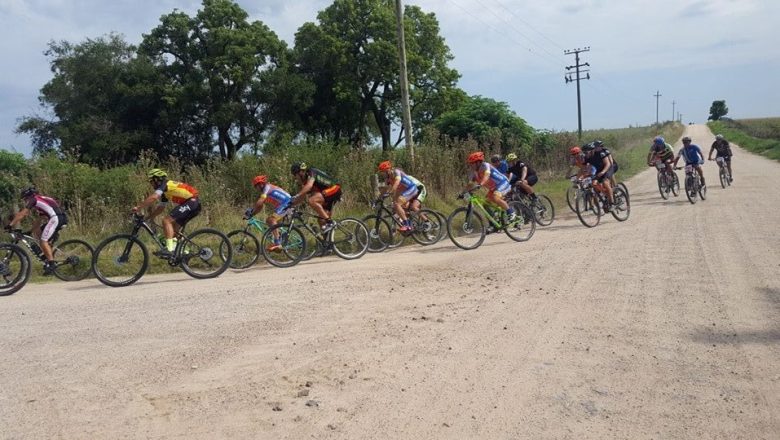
[761, 136]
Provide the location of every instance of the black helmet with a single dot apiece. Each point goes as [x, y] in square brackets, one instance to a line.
[298, 166]
[27, 192]
[598, 144]
[588, 147]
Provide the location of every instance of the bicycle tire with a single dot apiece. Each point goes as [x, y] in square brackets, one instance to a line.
[349, 238]
[78, 260]
[662, 187]
[524, 225]
[379, 233]
[246, 249]
[546, 215]
[107, 250]
[203, 253]
[464, 222]
[690, 191]
[571, 196]
[622, 207]
[426, 232]
[13, 259]
[292, 242]
[587, 204]
[675, 184]
[398, 237]
[702, 191]
[723, 177]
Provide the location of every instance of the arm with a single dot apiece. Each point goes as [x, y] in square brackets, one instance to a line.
[149, 201]
[305, 189]
[258, 205]
[18, 217]
[709, 156]
[524, 174]
[606, 168]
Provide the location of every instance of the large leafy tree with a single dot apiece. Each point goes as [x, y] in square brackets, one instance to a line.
[224, 74]
[488, 122]
[718, 110]
[351, 55]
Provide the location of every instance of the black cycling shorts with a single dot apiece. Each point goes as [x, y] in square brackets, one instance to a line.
[725, 157]
[530, 179]
[186, 211]
[331, 200]
[606, 175]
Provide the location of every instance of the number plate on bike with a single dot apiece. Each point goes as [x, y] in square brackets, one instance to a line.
[688, 168]
[660, 165]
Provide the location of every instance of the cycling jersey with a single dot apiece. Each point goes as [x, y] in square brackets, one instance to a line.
[503, 167]
[516, 171]
[722, 147]
[496, 181]
[44, 206]
[422, 193]
[177, 192]
[278, 198]
[692, 155]
[597, 158]
[664, 152]
[323, 183]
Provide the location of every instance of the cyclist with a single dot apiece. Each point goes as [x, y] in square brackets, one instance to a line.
[180, 193]
[46, 233]
[577, 160]
[486, 175]
[403, 189]
[598, 149]
[323, 192]
[603, 169]
[721, 145]
[662, 151]
[521, 175]
[277, 198]
[693, 156]
[500, 164]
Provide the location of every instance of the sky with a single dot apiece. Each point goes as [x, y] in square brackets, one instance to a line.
[690, 51]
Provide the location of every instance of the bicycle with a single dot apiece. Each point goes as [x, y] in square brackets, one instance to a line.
[72, 258]
[15, 268]
[667, 180]
[466, 225]
[693, 186]
[383, 227]
[723, 172]
[542, 207]
[246, 246]
[122, 259]
[298, 240]
[591, 204]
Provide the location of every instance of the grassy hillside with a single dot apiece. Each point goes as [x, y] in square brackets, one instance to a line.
[761, 136]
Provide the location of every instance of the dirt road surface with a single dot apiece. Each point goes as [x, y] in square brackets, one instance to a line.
[666, 326]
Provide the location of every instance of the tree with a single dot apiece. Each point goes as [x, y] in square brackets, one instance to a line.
[718, 110]
[486, 120]
[351, 56]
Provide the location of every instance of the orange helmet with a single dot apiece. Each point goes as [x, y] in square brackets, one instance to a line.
[258, 180]
[575, 150]
[385, 166]
[475, 157]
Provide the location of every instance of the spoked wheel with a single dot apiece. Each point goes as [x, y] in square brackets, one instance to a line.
[663, 188]
[120, 260]
[622, 207]
[702, 191]
[73, 259]
[724, 179]
[379, 233]
[427, 227]
[523, 226]
[398, 237]
[588, 209]
[206, 253]
[349, 238]
[314, 247]
[283, 245]
[543, 210]
[571, 197]
[690, 191]
[675, 184]
[246, 249]
[14, 268]
[466, 228]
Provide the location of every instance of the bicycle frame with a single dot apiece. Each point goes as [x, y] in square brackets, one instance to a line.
[141, 224]
[479, 202]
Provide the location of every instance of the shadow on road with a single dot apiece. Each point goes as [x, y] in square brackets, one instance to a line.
[711, 335]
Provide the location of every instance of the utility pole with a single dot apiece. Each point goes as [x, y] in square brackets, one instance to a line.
[680, 114]
[657, 95]
[577, 78]
[407, 115]
[673, 110]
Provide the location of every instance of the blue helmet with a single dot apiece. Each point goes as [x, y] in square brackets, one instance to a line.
[659, 140]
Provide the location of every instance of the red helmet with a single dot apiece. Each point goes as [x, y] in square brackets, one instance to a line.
[385, 166]
[258, 180]
[575, 151]
[475, 157]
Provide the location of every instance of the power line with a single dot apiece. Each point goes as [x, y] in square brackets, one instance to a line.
[529, 25]
[569, 79]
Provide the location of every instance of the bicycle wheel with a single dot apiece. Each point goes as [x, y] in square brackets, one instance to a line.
[588, 209]
[15, 268]
[397, 236]
[199, 256]
[690, 191]
[73, 259]
[379, 233]
[466, 228]
[543, 209]
[571, 196]
[246, 249]
[426, 226]
[120, 260]
[723, 177]
[702, 191]
[622, 207]
[662, 187]
[675, 184]
[523, 226]
[349, 238]
[283, 245]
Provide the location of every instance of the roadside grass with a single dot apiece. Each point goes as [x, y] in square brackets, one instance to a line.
[760, 136]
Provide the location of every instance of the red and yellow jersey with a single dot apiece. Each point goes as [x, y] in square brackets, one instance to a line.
[177, 192]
